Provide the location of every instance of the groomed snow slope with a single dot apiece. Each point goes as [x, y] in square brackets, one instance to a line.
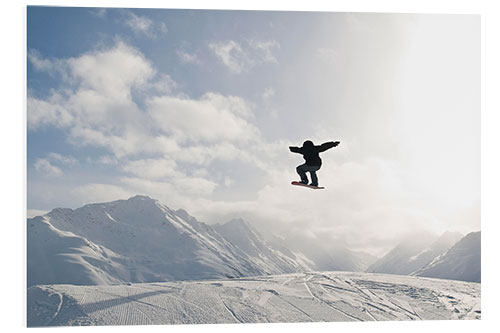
[297, 297]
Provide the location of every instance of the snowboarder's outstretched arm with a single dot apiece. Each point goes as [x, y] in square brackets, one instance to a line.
[295, 149]
[327, 145]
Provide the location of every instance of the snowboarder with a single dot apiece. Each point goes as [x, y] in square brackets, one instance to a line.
[310, 153]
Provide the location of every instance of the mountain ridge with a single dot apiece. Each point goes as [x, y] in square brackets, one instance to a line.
[450, 256]
[142, 240]
[152, 243]
[460, 262]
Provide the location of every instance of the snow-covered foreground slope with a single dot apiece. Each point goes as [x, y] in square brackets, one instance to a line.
[297, 297]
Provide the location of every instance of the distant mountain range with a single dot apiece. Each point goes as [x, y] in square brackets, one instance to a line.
[413, 253]
[142, 240]
[450, 256]
[461, 262]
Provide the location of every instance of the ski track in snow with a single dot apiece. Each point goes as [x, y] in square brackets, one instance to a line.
[297, 297]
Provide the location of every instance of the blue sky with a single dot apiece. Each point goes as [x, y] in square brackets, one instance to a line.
[198, 108]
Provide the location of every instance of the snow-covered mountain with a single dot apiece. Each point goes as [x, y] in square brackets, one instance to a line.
[414, 253]
[136, 240]
[460, 262]
[57, 256]
[142, 240]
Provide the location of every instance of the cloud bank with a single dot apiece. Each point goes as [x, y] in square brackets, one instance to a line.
[111, 101]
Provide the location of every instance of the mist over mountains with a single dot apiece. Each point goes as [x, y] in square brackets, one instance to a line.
[143, 240]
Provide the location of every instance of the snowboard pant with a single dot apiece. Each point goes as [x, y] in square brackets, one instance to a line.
[302, 169]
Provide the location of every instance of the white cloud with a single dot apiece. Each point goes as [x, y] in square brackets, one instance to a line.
[212, 118]
[188, 134]
[95, 192]
[54, 67]
[50, 166]
[194, 186]
[153, 168]
[46, 168]
[68, 160]
[188, 58]
[203, 154]
[144, 26]
[231, 54]
[139, 24]
[163, 85]
[176, 192]
[121, 145]
[98, 109]
[41, 113]
[264, 50]
[38, 62]
[108, 160]
[112, 73]
[240, 58]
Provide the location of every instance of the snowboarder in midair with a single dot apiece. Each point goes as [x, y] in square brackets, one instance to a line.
[310, 153]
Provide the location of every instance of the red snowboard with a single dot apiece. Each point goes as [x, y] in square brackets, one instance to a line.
[308, 186]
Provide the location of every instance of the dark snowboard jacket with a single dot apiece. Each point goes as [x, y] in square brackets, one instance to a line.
[311, 152]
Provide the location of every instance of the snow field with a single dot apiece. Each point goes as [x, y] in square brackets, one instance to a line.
[297, 297]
